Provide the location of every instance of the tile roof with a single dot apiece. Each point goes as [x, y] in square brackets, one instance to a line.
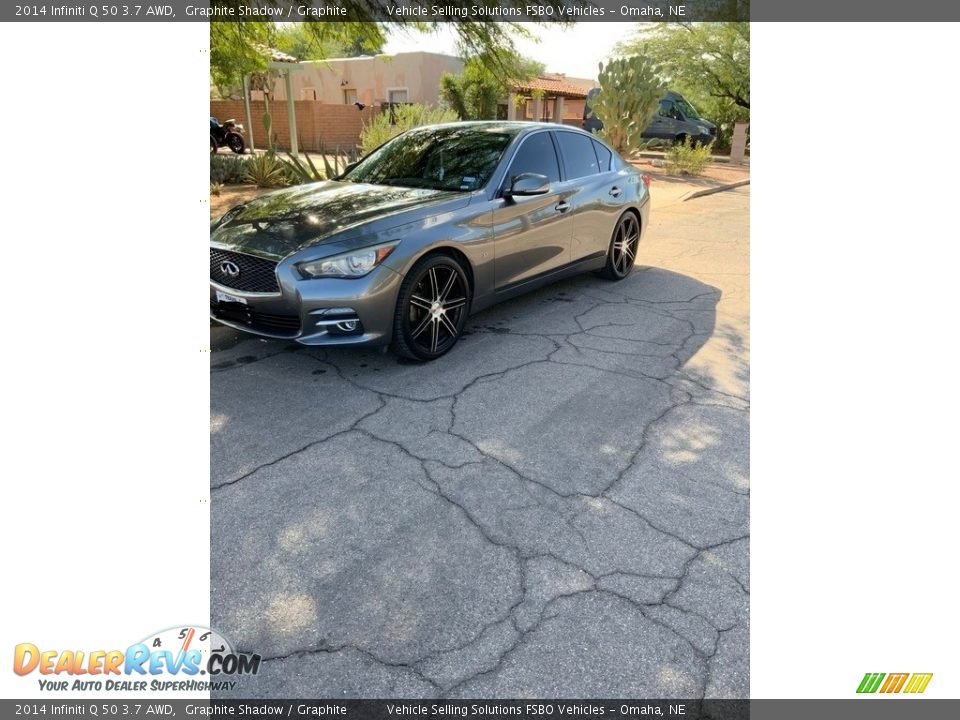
[554, 84]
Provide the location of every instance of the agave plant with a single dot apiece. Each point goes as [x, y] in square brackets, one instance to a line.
[266, 170]
[307, 172]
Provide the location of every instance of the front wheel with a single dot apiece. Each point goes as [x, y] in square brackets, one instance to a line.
[235, 143]
[213, 145]
[432, 308]
[622, 252]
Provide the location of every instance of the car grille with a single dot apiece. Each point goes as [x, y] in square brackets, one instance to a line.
[283, 325]
[256, 274]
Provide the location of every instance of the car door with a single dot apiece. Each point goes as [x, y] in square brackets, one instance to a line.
[532, 234]
[593, 192]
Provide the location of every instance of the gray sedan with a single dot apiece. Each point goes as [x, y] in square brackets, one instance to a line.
[436, 223]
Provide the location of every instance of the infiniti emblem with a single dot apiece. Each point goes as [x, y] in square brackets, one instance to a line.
[229, 269]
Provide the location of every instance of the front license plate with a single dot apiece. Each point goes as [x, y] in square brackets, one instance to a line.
[227, 298]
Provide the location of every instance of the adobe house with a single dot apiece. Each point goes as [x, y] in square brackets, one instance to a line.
[550, 97]
[409, 77]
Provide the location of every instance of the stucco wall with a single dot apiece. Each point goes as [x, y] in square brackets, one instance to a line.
[372, 77]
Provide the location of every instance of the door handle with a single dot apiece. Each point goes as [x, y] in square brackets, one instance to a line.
[615, 191]
[562, 206]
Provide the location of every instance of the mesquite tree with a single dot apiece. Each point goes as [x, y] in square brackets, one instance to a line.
[630, 92]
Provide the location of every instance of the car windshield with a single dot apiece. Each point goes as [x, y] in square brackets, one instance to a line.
[686, 108]
[438, 158]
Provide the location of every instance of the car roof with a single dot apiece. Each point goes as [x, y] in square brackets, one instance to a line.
[512, 126]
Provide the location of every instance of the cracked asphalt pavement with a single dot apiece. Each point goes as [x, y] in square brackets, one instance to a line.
[558, 507]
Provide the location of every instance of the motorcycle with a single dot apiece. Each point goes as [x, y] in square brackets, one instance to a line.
[229, 134]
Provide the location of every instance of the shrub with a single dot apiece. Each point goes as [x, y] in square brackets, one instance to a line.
[688, 158]
[379, 130]
[266, 170]
[228, 169]
[215, 189]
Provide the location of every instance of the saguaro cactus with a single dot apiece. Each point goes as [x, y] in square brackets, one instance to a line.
[630, 92]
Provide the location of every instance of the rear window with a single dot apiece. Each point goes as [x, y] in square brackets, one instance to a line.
[603, 156]
[579, 159]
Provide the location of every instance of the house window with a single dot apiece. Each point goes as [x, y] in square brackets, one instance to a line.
[349, 96]
[397, 95]
[308, 93]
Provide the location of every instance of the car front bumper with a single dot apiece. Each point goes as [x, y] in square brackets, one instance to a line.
[301, 311]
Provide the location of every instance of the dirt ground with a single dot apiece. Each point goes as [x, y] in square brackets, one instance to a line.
[721, 173]
[230, 196]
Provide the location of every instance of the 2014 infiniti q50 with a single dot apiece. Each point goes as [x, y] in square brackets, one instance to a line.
[437, 223]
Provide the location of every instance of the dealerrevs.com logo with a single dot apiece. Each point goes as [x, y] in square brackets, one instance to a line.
[910, 683]
[184, 659]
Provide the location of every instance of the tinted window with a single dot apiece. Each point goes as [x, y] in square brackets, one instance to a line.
[603, 155]
[587, 110]
[686, 108]
[578, 156]
[440, 158]
[668, 110]
[536, 155]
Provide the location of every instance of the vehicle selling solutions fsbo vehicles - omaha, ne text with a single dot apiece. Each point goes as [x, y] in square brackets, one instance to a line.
[436, 223]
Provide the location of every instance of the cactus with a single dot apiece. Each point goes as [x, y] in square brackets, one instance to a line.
[630, 92]
[267, 126]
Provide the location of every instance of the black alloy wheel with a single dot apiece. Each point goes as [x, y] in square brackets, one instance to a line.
[623, 248]
[432, 308]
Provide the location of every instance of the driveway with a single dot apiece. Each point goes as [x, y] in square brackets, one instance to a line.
[558, 507]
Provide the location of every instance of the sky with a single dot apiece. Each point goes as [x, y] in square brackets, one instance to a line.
[574, 50]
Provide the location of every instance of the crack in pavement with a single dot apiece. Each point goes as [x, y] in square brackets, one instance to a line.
[435, 458]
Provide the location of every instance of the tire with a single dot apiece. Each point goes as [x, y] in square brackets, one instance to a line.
[213, 145]
[235, 143]
[622, 252]
[431, 309]
[680, 139]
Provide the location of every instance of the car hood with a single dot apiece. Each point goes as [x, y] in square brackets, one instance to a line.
[280, 223]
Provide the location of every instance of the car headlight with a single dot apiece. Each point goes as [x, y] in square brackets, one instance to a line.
[353, 264]
[702, 129]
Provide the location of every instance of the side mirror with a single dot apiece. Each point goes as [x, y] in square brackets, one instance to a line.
[528, 184]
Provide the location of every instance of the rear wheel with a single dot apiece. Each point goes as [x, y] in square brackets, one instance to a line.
[432, 308]
[622, 252]
[235, 143]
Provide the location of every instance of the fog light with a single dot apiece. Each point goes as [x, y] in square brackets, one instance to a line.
[347, 325]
